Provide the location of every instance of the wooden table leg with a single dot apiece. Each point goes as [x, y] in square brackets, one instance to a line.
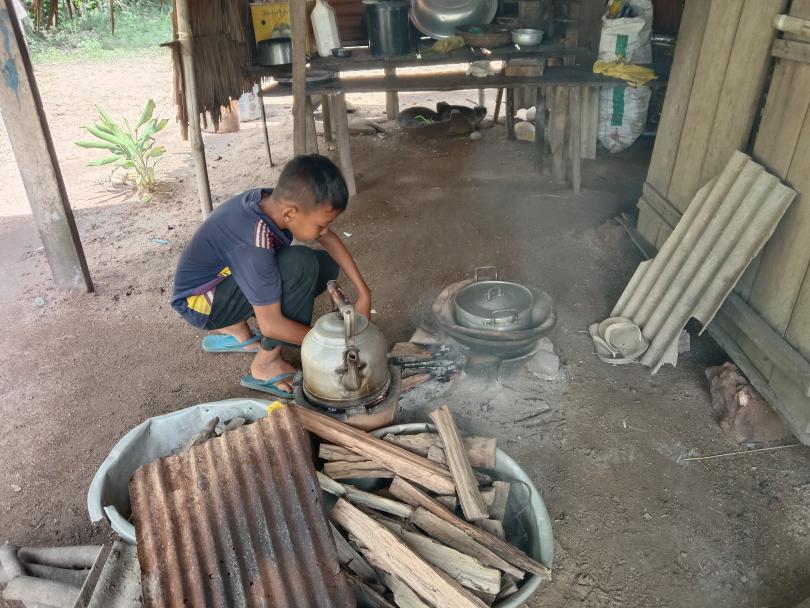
[391, 98]
[327, 119]
[559, 118]
[575, 118]
[482, 97]
[498, 101]
[539, 129]
[264, 128]
[510, 113]
[341, 120]
[312, 137]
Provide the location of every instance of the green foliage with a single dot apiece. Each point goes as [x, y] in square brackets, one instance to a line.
[130, 149]
[139, 26]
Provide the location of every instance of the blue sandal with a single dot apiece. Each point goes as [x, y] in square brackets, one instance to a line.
[221, 343]
[268, 386]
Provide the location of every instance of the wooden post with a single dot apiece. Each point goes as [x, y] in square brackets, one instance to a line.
[510, 113]
[344, 144]
[327, 119]
[575, 120]
[312, 137]
[264, 128]
[498, 100]
[539, 129]
[298, 17]
[559, 118]
[482, 97]
[391, 97]
[184, 37]
[24, 117]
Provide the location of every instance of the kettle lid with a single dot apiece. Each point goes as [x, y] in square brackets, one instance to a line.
[332, 325]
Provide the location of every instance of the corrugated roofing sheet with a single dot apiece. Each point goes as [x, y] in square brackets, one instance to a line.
[237, 521]
[723, 229]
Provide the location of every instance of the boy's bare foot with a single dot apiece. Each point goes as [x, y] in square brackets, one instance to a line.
[242, 333]
[269, 364]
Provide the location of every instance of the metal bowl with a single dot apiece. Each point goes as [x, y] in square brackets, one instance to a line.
[440, 18]
[527, 37]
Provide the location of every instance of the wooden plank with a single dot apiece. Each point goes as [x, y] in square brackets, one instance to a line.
[392, 457]
[450, 535]
[791, 49]
[400, 560]
[391, 97]
[493, 526]
[326, 110]
[557, 123]
[648, 223]
[590, 122]
[703, 102]
[792, 25]
[484, 581]
[669, 214]
[510, 113]
[367, 469]
[378, 503]
[350, 558]
[575, 139]
[481, 451]
[365, 595]
[449, 502]
[741, 93]
[679, 90]
[786, 257]
[497, 510]
[30, 137]
[539, 129]
[341, 119]
[406, 492]
[336, 452]
[298, 22]
[466, 486]
[798, 333]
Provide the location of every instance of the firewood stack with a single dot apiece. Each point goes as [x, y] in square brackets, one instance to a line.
[434, 537]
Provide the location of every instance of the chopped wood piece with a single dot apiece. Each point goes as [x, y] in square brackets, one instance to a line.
[335, 452]
[365, 595]
[493, 526]
[451, 536]
[411, 352]
[330, 485]
[508, 587]
[414, 381]
[483, 581]
[400, 560]
[488, 495]
[340, 469]
[203, 435]
[392, 457]
[436, 454]
[378, 503]
[351, 558]
[411, 495]
[497, 509]
[404, 596]
[451, 502]
[481, 451]
[472, 505]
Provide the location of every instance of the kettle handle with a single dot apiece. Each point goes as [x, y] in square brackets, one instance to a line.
[346, 309]
[336, 294]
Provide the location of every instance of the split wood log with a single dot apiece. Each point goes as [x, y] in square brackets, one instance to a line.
[472, 504]
[356, 470]
[330, 485]
[451, 502]
[10, 565]
[336, 452]
[82, 556]
[394, 458]
[401, 561]
[493, 526]
[412, 382]
[351, 558]
[497, 509]
[508, 587]
[202, 436]
[68, 576]
[483, 581]
[31, 590]
[481, 451]
[488, 495]
[792, 25]
[411, 495]
[378, 503]
[365, 595]
[410, 351]
[404, 596]
[451, 536]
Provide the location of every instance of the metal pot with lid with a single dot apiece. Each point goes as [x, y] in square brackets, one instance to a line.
[344, 358]
[494, 304]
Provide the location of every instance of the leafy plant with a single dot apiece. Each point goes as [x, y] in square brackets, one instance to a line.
[131, 149]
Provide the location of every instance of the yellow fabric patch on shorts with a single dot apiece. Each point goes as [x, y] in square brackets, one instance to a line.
[200, 303]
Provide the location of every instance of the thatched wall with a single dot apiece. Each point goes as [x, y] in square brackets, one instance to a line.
[221, 50]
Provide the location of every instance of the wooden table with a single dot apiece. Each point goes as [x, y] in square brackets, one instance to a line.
[562, 85]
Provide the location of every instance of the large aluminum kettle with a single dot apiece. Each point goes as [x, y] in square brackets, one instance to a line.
[344, 357]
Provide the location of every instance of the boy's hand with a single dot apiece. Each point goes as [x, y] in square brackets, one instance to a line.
[363, 304]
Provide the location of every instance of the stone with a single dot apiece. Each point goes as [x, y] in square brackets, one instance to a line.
[647, 516]
[524, 131]
[15, 488]
[475, 135]
[545, 344]
[544, 364]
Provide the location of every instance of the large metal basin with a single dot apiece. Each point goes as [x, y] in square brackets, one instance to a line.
[440, 18]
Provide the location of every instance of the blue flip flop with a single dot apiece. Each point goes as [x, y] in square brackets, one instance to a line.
[221, 343]
[268, 386]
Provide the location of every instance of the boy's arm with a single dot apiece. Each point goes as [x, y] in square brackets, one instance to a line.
[335, 248]
[273, 324]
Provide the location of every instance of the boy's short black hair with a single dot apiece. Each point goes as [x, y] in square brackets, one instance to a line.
[312, 180]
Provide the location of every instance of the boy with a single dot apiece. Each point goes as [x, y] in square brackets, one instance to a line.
[241, 263]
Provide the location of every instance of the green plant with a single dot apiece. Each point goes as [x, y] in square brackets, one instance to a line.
[131, 149]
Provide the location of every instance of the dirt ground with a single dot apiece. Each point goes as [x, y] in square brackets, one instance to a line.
[633, 525]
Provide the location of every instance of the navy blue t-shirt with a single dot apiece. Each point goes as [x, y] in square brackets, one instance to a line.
[238, 240]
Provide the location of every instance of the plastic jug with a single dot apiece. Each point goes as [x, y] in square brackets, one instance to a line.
[324, 23]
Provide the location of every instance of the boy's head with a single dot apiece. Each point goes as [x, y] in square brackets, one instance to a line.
[311, 193]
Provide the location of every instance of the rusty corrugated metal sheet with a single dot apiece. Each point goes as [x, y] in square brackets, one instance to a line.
[723, 229]
[237, 521]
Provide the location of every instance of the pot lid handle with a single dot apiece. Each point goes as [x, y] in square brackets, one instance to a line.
[505, 313]
[478, 270]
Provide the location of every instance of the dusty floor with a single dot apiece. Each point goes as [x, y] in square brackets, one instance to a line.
[633, 526]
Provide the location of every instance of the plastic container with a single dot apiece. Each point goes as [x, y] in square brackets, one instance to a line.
[389, 27]
[527, 523]
[324, 24]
